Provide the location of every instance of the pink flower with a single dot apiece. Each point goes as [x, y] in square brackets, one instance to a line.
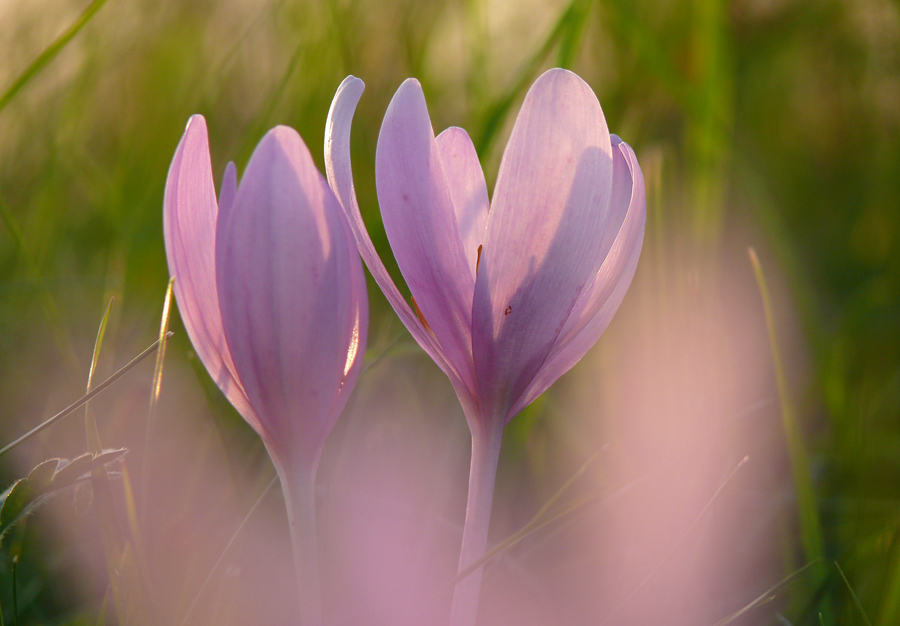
[509, 293]
[272, 294]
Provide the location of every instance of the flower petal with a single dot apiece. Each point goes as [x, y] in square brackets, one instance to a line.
[340, 176]
[228, 190]
[283, 270]
[544, 233]
[358, 319]
[622, 247]
[420, 222]
[189, 227]
[465, 179]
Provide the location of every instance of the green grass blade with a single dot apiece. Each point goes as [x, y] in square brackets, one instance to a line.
[85, 398]
[15, 594]
[675, 545]
[765, 597]
[262, 119]
[48, 303]
[708, 135]
[90, 424]
[163, 336]
[372, 361]
[154, 394]
[549, 514]
[497, 112]
[544, 517]
[810, 527]
[111, 537]
[213, 83]
[131, 511]
[544, 510]
[811, 535]
[853, 595]
[49, 53]
[225, 550]
[889, 614]
[646, 44]
[101, 614]
[129, 578]
[570, 38]
[47, 478]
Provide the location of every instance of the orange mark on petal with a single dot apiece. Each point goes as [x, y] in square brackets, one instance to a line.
[508, 310]
[421, 317]
[478, 259]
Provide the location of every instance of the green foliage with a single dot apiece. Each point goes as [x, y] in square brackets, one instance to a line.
[856, 601]
[810, 527]
[50, 52]
[26, 494]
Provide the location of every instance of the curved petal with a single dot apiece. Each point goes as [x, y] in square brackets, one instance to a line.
[465, 179]
[358, 318]
[420, 222]
[340, 176]
[228, 190]
[595, 310]
[189, 228]
[544, 233]
[282, 270]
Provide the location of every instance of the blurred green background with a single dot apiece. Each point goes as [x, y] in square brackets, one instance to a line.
[765, 123]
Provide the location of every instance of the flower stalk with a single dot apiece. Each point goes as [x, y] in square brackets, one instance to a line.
[299, 488]
[482, 476]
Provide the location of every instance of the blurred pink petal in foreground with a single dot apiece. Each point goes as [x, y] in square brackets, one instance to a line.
[508, 294]
[272, 294]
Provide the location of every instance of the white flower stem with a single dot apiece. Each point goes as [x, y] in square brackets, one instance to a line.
[482, 474]
[299, 487]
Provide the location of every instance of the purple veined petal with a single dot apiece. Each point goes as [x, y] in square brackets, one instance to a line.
[623, 229]
[465, 179]
[358, 320]
[339, 171]
[282, 270]
[228, 190]
[420, 223]
[595, 310]
[189, 226]
[544, 233]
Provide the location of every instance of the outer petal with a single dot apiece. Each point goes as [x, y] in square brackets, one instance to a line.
[594, 311]
[544, 234]
[289, 302]
[228, 190]
[465, 179]
[420, 222]
[358, 318]
[189, 227]
[340, 176]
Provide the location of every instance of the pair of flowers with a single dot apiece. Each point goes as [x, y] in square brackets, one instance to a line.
[508, 294]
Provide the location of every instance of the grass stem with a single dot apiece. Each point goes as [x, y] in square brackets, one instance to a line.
[84, 399]
[50, 52]
[810, 528]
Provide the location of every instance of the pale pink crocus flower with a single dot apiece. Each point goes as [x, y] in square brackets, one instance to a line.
[272, 294]
[508, 294]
